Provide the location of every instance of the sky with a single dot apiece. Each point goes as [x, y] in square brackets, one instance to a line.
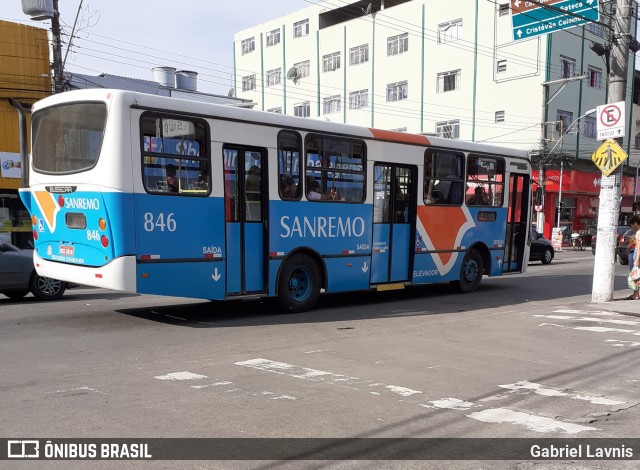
[130, 37]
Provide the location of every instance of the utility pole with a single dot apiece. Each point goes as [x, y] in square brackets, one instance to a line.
[603, 270]
[543, 139]
[541, 161]
[58, 72]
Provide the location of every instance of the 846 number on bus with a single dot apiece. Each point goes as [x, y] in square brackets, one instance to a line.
[159, 222]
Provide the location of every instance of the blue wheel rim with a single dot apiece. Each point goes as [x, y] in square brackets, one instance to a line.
[300, 284]
[471, 270]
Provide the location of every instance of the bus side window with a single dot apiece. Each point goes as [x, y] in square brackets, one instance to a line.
[289, 151]
[337, 165]
[443, 177]
[485, 180]
[175, 155]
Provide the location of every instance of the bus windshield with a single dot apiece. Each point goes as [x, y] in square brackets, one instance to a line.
[68, 138]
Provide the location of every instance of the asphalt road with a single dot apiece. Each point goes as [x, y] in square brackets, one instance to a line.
[525, 356]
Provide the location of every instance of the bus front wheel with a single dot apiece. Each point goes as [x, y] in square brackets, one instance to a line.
[299, 284]
[470, 272]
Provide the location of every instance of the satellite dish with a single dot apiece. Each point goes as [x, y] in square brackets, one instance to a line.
[292, 74]
[231, 93]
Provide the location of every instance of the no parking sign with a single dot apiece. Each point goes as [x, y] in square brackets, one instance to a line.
[610, 121]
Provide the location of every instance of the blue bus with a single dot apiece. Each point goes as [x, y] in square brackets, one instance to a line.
[156, 195]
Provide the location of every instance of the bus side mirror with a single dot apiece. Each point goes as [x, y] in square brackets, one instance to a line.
[539, 197]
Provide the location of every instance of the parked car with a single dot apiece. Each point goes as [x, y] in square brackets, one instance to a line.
[622, 247]
[18, 276]
[541, 249]
[619, 233]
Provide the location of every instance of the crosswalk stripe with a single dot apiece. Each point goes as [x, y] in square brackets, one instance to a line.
[532, 422]
[549, 392]
[589, 319]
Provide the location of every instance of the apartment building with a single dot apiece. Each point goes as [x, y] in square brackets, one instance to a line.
[434, 67]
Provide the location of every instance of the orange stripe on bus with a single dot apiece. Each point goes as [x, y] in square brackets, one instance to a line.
[442, 225]
[399, 137]
[47, 204]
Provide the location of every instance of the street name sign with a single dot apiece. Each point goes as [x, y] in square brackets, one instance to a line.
[609, 156]
[610, 121]
[530, 18]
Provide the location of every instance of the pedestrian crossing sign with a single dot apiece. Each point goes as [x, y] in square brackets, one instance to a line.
[609, 156]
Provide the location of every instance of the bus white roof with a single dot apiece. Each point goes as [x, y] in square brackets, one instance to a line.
[205, 109]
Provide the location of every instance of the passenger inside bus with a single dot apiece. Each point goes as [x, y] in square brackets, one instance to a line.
[314, 193]
[172, 183]
[313, 190]
[253, 184]
[479, 197]
[289, 188]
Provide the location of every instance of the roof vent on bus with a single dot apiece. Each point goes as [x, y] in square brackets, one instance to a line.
[165, 76]
[187, 80]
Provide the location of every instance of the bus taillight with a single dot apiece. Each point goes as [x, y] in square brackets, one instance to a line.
[35, 235]
[102, 224]
[105, 241]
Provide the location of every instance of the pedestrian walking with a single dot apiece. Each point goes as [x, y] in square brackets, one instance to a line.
[634, 259]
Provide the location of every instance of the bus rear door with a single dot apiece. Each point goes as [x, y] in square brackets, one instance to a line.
[245, 196]
[517, 223]
[394, 223]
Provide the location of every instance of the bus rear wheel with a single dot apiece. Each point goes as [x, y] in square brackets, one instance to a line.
[299, 284]
[470, 272]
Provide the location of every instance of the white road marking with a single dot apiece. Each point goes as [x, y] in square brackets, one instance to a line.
[620, 343]
[602, 329]
[181, 376]
[532, 422]
[79, 389]
[402, 391]
[283, 397]
[177, 318]
[548, 392]
[589, 319]
[603, 313]
[315, 351]
[529, 421]
[450, 404]
[597, 329]
[321, 376]
[215, 384]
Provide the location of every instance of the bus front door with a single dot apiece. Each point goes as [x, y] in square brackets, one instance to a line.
[244, 198]
[393, 223]
[517, 223]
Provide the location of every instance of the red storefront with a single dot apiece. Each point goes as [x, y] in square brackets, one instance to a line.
[580, 193]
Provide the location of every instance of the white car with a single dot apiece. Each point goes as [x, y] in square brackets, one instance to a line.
[18, 276]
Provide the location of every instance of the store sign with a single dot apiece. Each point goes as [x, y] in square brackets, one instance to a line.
[582, 182]
[10, 165]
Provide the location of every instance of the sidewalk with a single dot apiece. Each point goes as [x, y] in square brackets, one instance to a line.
[619, 303]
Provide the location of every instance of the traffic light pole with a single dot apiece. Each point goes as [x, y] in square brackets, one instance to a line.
[603, 270]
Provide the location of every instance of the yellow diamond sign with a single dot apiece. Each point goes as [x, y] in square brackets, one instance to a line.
[609, 156]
